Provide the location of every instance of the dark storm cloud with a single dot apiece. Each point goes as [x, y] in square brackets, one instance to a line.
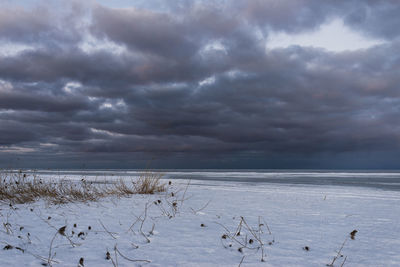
[33, 101]
[14, 132]
[41, 25]
[192, 83]
[53, 65]
[376, 18]
[158, 34]
[18, 24]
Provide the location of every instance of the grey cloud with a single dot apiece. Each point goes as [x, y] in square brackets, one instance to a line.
[19, 24]
[32, 101]
[289, 16]
[372, 18]
[53, 65]
[14, 133]
[195, 83]
[40, 25]
[376, 18]
[150, 32]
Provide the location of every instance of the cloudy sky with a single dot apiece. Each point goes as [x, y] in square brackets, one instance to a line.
[200, 84]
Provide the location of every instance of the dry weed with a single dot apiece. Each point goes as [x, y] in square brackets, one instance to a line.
[19, 188]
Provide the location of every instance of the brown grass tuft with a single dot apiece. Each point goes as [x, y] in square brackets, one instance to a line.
[18, 188]
[149, 183]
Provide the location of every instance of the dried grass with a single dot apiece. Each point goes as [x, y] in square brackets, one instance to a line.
[149, 183]
[18, 188]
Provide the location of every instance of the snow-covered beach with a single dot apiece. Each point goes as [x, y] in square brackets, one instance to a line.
[302, 224]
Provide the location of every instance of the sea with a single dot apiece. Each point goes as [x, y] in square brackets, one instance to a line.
[385, 180]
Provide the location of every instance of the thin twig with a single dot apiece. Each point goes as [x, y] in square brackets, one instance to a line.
[141, 225]
[133, 224]
[125, 257]
[112, 261]
[241, 261]
[205, 206]
[41, 257]
[108, 232]
[49, 259]
[184, 193]
[338, 254]
[232, 236]
[345, 258]
[116, 257]
[258, 238]
[266, 224]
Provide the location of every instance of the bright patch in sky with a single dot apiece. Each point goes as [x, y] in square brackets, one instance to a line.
[106, 105]
[71, 86]
[5, 86]
[11, 49]
[207, 81]
[93, 45]
[48, 144]
[333, 36]
[99, 131]
[213, 46]
[16, 149]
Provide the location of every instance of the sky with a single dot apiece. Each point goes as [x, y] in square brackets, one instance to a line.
[283, 84]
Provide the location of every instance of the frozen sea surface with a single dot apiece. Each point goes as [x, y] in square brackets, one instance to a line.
[389, 180]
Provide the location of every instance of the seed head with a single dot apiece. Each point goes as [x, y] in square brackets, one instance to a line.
[353, 234]
[61, 231]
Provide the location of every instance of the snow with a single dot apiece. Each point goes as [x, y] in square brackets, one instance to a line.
[319, 217]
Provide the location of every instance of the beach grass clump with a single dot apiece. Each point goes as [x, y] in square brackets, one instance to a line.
[149, 182]
[19, 188]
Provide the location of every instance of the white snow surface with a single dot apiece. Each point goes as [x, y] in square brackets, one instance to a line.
[319, 217]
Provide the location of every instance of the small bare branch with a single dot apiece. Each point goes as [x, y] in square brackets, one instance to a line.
[105, 229]
[125, 257]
